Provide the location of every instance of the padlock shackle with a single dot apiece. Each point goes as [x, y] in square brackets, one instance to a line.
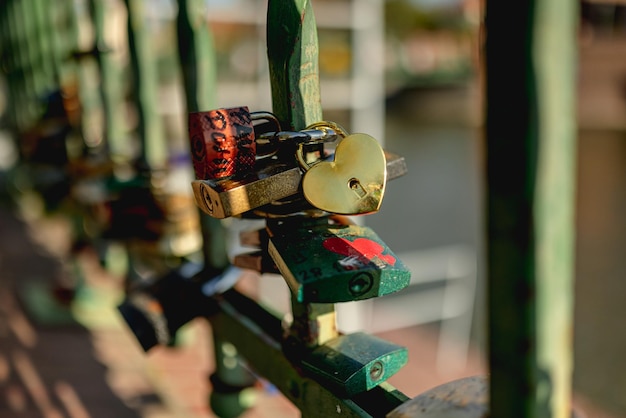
[269, 143]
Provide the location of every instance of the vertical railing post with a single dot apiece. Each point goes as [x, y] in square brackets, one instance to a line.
[25, 31]
[14, 58]
[53, 32]
[197, 56]
[293, 53]
[84, 71]
[149, 129]
[530, 140]
[112, 124]
[45, 57]
[151, 163]
[110, 91]
[61, 18]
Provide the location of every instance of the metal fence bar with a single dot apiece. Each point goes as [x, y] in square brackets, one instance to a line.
[198, 62]
[149, 129]
[530, 134]
[110, 86]
[293, 53]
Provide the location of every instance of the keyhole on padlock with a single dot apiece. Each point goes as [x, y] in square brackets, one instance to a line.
[356, 186]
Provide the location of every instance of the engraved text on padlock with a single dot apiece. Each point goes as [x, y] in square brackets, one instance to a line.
[222, 142]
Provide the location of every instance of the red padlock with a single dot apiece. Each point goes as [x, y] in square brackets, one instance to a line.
[222, 142]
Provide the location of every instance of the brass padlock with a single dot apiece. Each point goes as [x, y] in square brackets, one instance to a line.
[353, 183]
[234, 196]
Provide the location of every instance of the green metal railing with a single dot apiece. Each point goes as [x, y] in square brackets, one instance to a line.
[530, 69]
[529, 83]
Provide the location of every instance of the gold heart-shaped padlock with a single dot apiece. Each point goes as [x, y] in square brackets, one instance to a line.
[352, 184]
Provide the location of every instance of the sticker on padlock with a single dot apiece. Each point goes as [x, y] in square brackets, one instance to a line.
[353, 183]
[331, 263]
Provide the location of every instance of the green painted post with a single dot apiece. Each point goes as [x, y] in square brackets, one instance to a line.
[25, 30]
[45, 55]
[530, 140]
[52, 31]
[5, 41]
[197, 55]
[293, 53]
[5, 45]
[64, 40]
[85, 72]
[110, 86]
[7, 53]
[4, 36]
[198, 62]
[149, 129]
[24, 88]
[12, 61]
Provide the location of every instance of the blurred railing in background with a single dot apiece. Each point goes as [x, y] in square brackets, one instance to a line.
[423, 99]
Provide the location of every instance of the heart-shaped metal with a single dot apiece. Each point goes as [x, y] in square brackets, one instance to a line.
[352, 184]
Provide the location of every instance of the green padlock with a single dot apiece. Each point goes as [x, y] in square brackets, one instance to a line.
[324, 262]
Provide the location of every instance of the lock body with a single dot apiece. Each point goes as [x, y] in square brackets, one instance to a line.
[329, 263]
[224, 198]
[353, 183]
[222, 142]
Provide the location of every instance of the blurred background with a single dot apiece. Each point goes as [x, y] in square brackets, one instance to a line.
[403, 71]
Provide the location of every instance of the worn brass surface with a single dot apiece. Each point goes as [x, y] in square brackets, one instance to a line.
[354, 183]
[224, 198]
[230, 197]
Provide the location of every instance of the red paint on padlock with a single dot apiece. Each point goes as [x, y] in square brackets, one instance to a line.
[222, 142]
